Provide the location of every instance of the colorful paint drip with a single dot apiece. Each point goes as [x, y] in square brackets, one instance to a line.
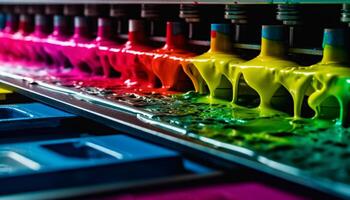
[78, 48]
[169, 61]
[34, 43]
[11, 27]
[150, 78]
[129, 58]
[52, 43]
[211, 66]
[260, 72]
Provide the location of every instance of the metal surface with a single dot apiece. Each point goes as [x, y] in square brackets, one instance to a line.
[221, 154]
[172, 1]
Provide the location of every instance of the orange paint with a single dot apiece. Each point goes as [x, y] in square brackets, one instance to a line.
[168, 61]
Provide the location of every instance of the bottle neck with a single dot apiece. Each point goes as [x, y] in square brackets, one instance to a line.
[137, 37]
[25, 24]
[220, 42]
[334, 54]
[80, 27]
[2, 21]
[175, 37]
[272, 48]
[104, 33]
[59, 25]
[41, 25]
[11, 23]
[104, 29]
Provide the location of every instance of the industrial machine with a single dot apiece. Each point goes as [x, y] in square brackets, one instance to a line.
[174, 99]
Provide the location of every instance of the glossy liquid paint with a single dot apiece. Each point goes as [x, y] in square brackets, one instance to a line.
[259, 73]
[11, 27]
[209, 67]
[76, 49]
[18, 41]
[129, 58]
[35, 42]
[52, 44]
[263, 132]
[168, 62]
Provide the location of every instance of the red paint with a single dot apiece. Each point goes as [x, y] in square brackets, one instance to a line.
[167, 62]
[129, 58]
[213, 34]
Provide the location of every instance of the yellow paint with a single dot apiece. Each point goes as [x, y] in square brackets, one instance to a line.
[207, 69]
[269, 71]
[260, 72]
[3, 93]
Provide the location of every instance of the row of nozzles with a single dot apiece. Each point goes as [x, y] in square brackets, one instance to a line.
[139, 63]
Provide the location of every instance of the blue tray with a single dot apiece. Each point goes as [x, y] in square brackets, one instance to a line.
[30, 115]
[83, 161]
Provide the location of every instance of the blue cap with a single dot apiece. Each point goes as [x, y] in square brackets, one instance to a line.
[2, 20]
[273, 32]
[9, 17]
[221, 28]
[80, 21]
[335, 37]
[58, 20]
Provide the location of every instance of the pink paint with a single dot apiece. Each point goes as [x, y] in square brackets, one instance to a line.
[89, 57]
[105, 45]
[6, 34]
[17, 42]
[35, 42]
[95, 56]
[77, 48]
[239, 191]
[54, 43]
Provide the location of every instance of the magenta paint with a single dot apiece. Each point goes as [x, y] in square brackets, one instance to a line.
[17, 47]
[6, 34]
[235, 191]
[54, 43]
[35, 42]
[105, 45]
